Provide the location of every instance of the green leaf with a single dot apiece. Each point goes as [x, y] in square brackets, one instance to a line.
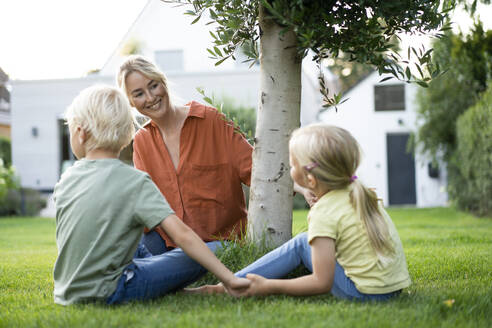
[386, 79]
[211, 52]
[208, 100]
[221, 61]
[420, 70]
[217, 51]
[196, 20]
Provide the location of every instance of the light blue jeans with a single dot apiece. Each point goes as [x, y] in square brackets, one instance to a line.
[149, 277]
[284, 259]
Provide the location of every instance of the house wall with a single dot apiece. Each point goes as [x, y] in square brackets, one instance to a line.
[370, 128]
[39, 104]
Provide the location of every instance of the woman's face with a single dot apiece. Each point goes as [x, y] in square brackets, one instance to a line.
[148, 96]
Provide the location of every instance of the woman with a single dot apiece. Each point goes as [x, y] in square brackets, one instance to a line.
[193, 154]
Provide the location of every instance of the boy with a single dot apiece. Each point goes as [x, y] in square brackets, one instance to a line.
[102, 206]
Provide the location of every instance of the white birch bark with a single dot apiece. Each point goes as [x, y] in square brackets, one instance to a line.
[270, 202]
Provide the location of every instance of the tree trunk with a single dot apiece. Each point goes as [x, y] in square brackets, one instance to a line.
[270, 202]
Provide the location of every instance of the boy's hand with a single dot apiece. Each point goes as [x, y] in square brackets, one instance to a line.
[237, 286]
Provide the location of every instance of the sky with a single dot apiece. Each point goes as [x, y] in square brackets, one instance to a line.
[49, 39]
[41, 39]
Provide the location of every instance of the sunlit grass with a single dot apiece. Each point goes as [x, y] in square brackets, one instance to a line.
[449, 255]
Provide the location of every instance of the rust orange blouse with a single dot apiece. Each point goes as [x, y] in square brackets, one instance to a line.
[205, 191]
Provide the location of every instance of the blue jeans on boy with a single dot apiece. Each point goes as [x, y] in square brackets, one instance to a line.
[284, 259]
[150, 276]
[154, 243]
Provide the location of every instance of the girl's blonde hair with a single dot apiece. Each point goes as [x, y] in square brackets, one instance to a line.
[105, 115]
[332, 155]
[137, 63]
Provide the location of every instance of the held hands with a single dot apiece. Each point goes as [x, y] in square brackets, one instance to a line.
[238, 287]
[254, 285]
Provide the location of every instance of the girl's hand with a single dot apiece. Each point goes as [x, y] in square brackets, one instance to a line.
[258, 286]
[310, 197]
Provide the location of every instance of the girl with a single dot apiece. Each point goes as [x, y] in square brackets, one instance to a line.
[351, 246]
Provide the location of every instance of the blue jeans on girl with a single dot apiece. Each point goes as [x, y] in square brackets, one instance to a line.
[284, 259]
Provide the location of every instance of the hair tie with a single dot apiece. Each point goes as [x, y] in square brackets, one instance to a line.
[353, 178]
[311, 166]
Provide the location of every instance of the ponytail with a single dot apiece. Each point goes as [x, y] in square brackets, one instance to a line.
[365, 202]
[337, 156]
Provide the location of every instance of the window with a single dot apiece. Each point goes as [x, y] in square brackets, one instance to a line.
[389, 97]
[169, 60]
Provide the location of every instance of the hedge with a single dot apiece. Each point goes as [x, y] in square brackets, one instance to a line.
[470, 182]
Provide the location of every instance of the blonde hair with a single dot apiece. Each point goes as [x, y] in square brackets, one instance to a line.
[137, 63]
[337, 156]
[105, 115]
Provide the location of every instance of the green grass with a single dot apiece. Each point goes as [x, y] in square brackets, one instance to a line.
[449, 255]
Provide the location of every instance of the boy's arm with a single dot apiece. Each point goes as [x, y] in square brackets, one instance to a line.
[194, 247]
[319, 282]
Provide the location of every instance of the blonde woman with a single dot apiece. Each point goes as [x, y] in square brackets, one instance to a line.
[351, 247]
[197, 159]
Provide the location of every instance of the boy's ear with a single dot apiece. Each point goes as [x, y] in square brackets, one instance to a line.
[312, 182]
[82, 135]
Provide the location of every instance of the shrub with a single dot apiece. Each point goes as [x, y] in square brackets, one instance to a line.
[22, 201]
[5, 151]
[8, 179]
[470, 182]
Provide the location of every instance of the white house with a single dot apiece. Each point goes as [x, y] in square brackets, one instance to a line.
[381, 116]
[39, 137]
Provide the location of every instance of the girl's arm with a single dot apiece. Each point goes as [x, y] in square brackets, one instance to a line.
[319, 282]
[195, 248]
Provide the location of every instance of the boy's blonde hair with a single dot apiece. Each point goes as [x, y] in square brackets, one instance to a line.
[137, 63]
[332, 155]
[105, 115]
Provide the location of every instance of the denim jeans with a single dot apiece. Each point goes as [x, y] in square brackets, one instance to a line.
[284, 259]
[149, 276]
[154, 243]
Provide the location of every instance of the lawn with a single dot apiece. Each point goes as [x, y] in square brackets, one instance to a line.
[449, 255]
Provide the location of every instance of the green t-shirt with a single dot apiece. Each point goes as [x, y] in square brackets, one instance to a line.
[333, 216]
[102, 207]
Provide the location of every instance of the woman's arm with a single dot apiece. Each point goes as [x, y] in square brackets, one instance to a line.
[192, 245]
[319, 282]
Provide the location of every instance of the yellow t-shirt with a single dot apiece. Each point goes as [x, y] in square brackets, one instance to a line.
[333, 216]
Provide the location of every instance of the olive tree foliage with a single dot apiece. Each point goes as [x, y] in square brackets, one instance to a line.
[360, 29]
[279, 33]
